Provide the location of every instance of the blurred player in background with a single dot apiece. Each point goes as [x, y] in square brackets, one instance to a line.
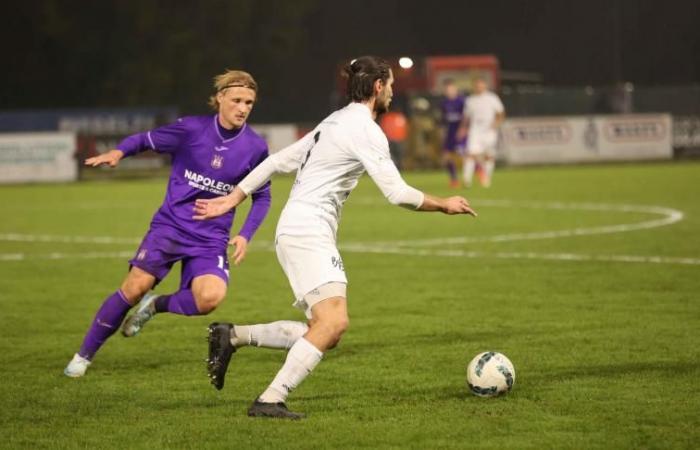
[210, 154]
[483, 115]
[452, 109]
[329, 162]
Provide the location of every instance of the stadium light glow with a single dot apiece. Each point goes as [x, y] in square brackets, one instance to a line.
[405, 62]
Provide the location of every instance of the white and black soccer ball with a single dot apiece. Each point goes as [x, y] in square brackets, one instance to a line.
[490, 374]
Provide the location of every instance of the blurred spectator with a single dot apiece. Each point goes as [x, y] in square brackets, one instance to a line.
[395, 126]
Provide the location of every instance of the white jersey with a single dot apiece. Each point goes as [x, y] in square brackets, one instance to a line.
[481, 109]
[329, 162]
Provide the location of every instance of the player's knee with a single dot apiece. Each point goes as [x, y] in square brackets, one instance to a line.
[336, 327]
[208, 298]
[341, 326]
[135, 288]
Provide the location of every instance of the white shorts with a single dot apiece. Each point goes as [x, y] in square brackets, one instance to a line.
[309, 263]
[482, 142]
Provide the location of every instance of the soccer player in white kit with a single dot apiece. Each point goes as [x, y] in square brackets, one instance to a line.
[329, 161]
[483, 114]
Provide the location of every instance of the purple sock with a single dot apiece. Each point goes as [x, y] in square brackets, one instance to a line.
[107, 320]
[451, 170]
[182, 302]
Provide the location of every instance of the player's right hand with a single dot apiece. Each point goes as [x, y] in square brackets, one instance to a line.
[110, 158]
[208, 208]
[458, 205]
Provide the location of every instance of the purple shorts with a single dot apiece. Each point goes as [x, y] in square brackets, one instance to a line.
[160, 250]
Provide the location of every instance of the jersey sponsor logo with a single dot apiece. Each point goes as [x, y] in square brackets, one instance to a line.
[217, 162]
[199, 181]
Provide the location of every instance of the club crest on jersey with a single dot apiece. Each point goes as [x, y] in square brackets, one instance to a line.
[217, 161]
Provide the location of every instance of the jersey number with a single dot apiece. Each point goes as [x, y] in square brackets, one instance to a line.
[317, 136]
[221, 265]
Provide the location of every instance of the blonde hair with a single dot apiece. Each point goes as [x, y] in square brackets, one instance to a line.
[231, 78]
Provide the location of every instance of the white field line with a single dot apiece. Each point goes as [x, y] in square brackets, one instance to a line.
[359, 248]
[669, 216]
[63, 255]
[356, 248]
[17, 237]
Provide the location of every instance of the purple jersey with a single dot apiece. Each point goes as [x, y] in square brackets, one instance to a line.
[207, 161]
[452, 114]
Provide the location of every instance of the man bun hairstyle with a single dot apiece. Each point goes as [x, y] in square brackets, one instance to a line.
[231, 78]
[361, 74]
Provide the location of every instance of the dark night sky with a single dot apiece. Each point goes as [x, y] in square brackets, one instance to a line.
[569, 42]
[150, 52]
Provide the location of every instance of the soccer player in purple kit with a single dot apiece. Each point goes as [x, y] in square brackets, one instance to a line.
[452, 108]
[210, 155]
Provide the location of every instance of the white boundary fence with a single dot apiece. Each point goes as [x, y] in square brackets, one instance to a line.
[575, 139]
[37, 157]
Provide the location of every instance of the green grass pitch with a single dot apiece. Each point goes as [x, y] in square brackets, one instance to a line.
[587, 278]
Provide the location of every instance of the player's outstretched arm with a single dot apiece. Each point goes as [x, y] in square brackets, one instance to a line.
[449, 205]
[208, 208]
[110, 158]
[286, 160]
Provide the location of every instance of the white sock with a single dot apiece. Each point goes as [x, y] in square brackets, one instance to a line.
[280, 334]
[301, 360]
[468, 170]
[489, 164]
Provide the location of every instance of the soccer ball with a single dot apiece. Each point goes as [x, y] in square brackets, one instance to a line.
[490, 374]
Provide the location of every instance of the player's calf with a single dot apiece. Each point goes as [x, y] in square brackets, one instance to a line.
[326, 334]
[328, 324]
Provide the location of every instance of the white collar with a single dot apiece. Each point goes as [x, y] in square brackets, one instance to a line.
[360, 107]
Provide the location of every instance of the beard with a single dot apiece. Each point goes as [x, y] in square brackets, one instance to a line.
[381, 105]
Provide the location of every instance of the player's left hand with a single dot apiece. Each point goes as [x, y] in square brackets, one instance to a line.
[240, 246]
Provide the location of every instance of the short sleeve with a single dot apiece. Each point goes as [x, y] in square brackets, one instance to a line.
[497, 104]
